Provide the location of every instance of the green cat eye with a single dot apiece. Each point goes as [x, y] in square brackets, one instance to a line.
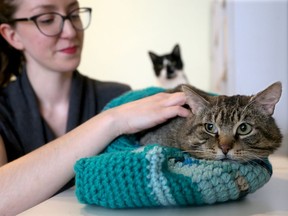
[211, 128]
[244, 129]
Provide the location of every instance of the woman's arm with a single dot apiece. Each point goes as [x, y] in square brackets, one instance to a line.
[36, 176]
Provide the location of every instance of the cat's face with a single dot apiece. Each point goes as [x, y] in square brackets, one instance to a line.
[168, 68]
[238, 127]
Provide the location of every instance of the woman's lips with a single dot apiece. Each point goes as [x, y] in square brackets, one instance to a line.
[69, 50]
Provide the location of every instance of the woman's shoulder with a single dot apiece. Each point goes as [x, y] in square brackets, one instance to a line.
[103, 85]
[7, 93]
[106, 91]
[102, 91]
[112, 86]
[109, 89]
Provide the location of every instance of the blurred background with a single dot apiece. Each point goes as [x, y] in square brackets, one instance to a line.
[228, 46]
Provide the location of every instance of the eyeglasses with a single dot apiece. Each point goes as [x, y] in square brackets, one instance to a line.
[51, 24]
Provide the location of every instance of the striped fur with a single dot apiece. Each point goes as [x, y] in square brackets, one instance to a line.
[237, 127]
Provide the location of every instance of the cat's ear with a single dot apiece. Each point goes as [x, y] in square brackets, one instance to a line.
[176, 50]
[268, 98]
[195, 101]
[153, 56]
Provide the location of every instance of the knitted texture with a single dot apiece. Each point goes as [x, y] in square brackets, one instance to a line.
[127, 175]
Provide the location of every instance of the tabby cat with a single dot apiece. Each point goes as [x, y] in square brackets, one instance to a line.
[238, 127]
[168, 68]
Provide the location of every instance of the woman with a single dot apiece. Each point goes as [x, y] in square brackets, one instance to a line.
[49, 115]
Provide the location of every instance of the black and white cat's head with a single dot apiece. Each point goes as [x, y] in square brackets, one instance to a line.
[168, 68]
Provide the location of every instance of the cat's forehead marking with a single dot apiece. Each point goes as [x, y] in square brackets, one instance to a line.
[166, 62]
[227, 110]
[230, 101]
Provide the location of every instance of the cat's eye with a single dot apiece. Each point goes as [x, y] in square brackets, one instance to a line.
[211, 128]
[244, 129]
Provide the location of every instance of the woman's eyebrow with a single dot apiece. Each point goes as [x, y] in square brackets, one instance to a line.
[51, 7]
[73, 4]
[44, 7]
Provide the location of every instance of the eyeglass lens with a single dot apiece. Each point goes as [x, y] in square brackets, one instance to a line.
[51, 24]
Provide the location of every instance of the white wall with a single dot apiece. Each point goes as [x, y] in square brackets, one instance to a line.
[122, 32]
[259, 52]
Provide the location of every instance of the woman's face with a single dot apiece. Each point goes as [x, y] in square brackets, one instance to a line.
[61, 53]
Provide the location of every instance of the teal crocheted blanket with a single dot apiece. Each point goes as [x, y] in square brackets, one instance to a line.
[127, 175]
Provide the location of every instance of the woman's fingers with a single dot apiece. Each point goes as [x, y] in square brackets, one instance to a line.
[149, 112]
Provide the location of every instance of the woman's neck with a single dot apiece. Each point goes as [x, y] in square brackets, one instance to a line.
[51, 87]
[53, 91]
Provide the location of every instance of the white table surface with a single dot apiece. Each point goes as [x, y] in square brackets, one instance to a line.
[270, 200]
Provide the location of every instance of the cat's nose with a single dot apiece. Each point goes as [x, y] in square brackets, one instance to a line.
[225, 148]
[225, 144]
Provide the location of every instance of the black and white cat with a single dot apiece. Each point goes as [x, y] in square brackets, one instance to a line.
[168, 68]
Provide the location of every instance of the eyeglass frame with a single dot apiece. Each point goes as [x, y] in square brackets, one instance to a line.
[67, 17]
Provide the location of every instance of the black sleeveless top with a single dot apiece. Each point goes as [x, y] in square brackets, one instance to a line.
[23, 129]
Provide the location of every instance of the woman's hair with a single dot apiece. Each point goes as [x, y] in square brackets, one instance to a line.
[10, 58]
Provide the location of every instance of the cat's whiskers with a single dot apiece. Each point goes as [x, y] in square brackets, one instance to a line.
[248, 156]
[201, 153]
[254, 162]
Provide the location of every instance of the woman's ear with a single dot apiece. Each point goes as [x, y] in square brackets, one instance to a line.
[11, 36]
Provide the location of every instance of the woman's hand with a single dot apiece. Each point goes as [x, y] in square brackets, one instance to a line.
[148, 112]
